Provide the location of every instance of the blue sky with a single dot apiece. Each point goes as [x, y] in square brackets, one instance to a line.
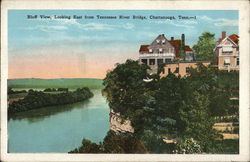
[103, 42]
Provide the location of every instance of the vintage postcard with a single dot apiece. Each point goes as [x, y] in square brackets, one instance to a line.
[125, 81]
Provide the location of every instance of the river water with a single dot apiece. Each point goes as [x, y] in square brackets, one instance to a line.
[59, 128]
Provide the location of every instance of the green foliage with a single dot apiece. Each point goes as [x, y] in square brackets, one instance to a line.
[171, 106]
[63, 89]
[220, 104]
[123, 143]
[227, 146]
[188, 146]
[113, 143]
[228, 80]
[204, 47]
[196, 120]
[38, 99]
[49, 90]
[125, 88]
[154, 142]
[169, 96]
[182, 54]
[88, 147]
[11, 91]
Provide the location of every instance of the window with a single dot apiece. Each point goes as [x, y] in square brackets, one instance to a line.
[151, 61]
[227, 61]
[177, 70]
[158, 41]
[227, 49]
[187, 69]
[169, 70]
[227, 53]
[150, 50]
[163, 41]
[160, 50]
[237, 61]
[167, 60]
[159, 61]
[144, 61]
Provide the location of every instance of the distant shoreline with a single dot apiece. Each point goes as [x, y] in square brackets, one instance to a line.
[56, 83]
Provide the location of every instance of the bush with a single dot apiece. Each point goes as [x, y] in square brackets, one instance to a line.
[188, 146]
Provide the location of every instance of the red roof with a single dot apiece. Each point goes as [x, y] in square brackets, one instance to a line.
[233, 37]
[188, 49]
[144, 49]
[177, 46]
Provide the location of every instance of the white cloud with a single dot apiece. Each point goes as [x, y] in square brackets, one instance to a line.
[47, 28]
[219, 21]
[179, 24]
[128, 26]
[226, 22]
[189, 22]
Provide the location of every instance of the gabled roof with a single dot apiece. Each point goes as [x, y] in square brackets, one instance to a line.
[188, 49]
[177, 46]
[233, 37]
[159, 38]
[144, 49]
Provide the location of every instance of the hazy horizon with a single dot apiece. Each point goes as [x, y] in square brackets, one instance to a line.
[88, 48]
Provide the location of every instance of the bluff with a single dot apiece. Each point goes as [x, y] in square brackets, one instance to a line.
[119, 125]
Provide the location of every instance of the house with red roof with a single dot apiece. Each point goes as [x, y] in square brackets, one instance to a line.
[226, 52]
[162, 51]
[169, 52]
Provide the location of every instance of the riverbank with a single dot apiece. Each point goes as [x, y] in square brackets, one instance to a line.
[38, 99]
[61, 128]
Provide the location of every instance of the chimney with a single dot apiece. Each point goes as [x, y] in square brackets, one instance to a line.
[172, 38]
[183, 40]
[223, 34]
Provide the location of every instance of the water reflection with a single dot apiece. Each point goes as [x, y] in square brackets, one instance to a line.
[42, 113]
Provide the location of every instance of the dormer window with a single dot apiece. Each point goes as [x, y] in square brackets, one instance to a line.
[227, 49]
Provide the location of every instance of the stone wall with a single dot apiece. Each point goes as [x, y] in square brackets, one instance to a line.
[119, 126]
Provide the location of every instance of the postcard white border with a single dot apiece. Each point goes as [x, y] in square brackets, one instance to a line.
[242, 6]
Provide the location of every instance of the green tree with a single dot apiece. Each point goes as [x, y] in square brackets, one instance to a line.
[171, 93]
[113, 143]
[125, 89]
[204, 47]
[196, 119]
[220, 104]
